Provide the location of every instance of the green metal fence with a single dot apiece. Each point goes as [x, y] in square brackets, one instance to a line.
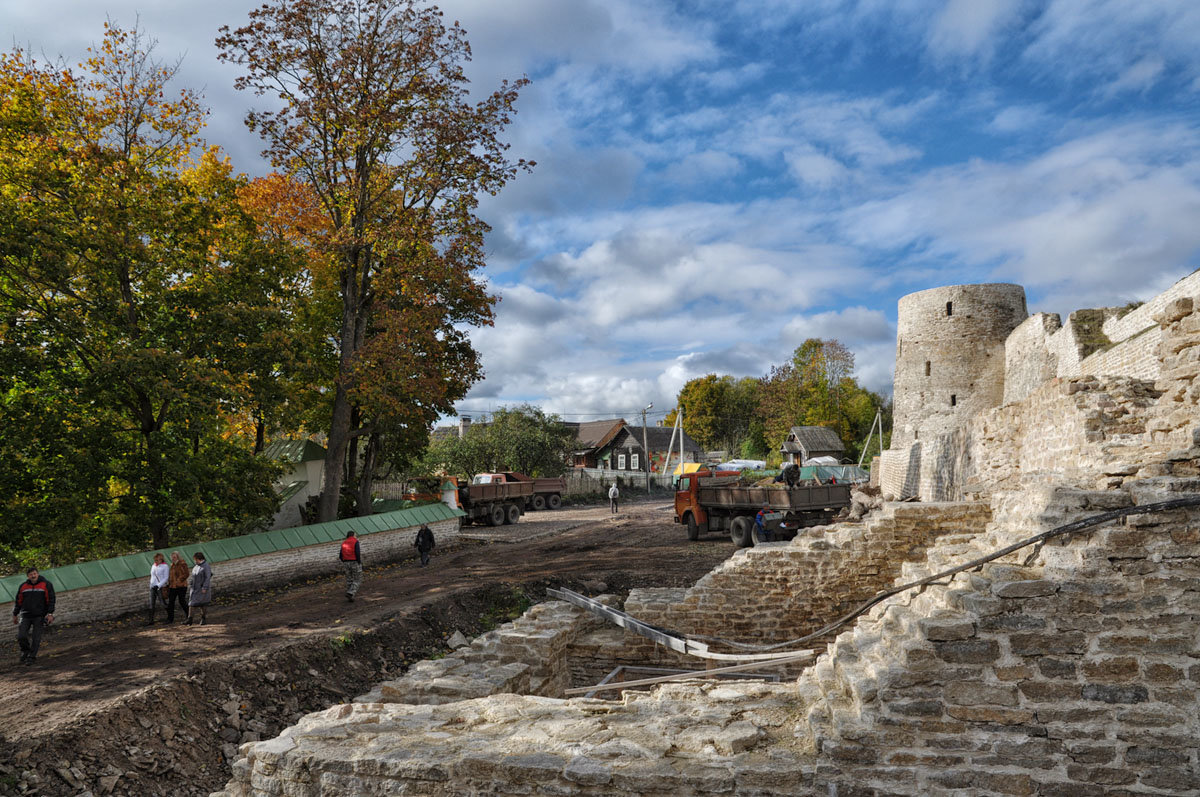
[137, 565]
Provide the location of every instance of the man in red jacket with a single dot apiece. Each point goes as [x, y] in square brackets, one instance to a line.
[351, 558]
[32, 610]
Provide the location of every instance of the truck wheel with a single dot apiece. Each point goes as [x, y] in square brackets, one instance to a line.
[539, 502]
[693, 529]
[512, 514]
[554, 500]
[741, 531]
[496, 515]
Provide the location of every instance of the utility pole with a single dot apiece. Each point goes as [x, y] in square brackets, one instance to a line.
[646, 445]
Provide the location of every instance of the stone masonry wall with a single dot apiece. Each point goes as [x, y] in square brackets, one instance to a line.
[1076, 673]
[1128, 325]
[1062, 431]
[246, 574]
[526, 656]
[1178, 409]
[779, 591]
[1028, 361]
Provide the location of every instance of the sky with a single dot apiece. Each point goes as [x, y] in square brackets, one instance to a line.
[719, 180]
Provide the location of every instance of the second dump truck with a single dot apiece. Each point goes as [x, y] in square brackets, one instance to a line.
[547, 491]
[718, 501]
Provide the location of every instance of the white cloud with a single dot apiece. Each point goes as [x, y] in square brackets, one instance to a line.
[971, 27]
[1116, 207]
[1138, 77]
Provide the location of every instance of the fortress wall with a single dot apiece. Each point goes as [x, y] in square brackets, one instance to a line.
[1028, 359]
[1136, 356]
[1177, 415]
[1128, 325]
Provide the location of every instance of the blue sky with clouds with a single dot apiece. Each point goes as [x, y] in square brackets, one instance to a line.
[720, 180]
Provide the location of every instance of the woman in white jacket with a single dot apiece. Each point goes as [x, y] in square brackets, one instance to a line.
[159, 571]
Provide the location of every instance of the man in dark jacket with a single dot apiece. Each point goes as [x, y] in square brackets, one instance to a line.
[424, 543]
[351, 556]
[32, 610]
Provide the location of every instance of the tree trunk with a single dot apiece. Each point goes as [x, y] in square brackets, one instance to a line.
[366, 478]
[340, 422]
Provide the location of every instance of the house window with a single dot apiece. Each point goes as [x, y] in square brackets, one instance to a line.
[949, 308]
[927, 367]
[620, 462]
[953, 400]
[633, 462]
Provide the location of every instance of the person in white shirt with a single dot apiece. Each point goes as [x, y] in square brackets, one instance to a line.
[159, 573]
[613, 495]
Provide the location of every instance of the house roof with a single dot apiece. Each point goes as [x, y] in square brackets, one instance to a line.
[814, 438]
[658, 438]
[596, 434]
[294, 451]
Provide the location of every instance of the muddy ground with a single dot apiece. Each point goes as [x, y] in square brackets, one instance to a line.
[121, 708]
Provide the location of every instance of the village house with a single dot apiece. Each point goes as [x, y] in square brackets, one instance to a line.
[808, 442]
[625, 451]
[305, 461]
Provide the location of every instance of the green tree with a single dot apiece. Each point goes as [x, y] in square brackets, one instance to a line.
[522, 438]
[129, 267]
[718, 411]
[376, 121]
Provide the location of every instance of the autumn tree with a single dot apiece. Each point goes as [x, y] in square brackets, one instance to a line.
[374, 117]
[717, 410]
[140, 294]
[816, 387]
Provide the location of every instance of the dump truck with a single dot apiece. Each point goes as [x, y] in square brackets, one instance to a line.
[547, 491]
[494, 503]
[718, 501]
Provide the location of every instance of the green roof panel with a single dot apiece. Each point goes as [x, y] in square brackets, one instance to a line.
[65, 578]
[8, 588]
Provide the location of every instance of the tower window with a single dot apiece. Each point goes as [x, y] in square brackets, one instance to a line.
[953, 400]
[927, 368]
[949, 308]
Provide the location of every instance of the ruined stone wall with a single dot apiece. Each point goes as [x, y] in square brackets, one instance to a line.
[1028, 360]
[1063, 432]
[1074, 675]
[249, 573]
[1128, 325]
[1178, 409]
[779, 591]
[950, 354]
[527, 656]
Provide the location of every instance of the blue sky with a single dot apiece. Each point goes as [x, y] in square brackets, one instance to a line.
[718, 181]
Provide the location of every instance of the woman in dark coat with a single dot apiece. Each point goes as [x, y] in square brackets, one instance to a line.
[201, 594]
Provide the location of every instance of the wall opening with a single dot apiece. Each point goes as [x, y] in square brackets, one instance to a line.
[927, 368]
[953, 400]
[949, 308]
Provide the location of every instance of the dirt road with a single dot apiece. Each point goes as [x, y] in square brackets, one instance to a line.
[88, 670]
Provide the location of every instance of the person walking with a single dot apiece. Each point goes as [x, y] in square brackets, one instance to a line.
[424, 543]
[613, 495]
[160, 571]
[177, 586]
[201, 594]
[33, 610]
[351, 556]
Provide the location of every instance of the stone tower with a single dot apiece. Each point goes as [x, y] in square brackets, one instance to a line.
[950, 356]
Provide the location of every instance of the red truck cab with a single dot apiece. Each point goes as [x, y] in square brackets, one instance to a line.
[688, 509]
